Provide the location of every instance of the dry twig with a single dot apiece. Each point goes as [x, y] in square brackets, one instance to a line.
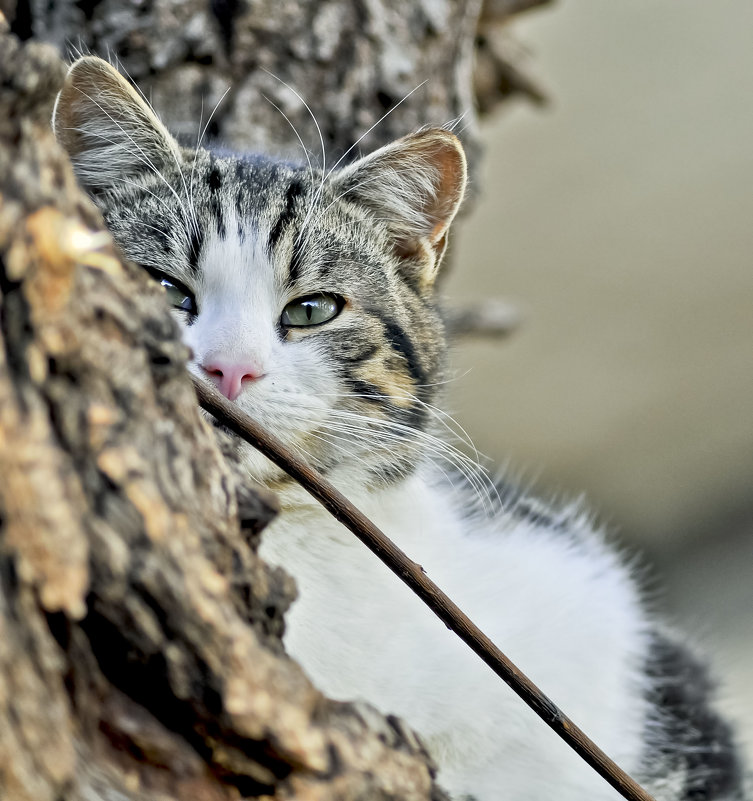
[413, 575]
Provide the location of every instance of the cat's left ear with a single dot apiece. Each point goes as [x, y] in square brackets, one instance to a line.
[107, 128]
[415, 185]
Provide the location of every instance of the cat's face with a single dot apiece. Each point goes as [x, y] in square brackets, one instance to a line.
[307, 299]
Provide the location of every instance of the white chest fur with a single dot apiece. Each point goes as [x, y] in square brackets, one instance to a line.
[562, 608]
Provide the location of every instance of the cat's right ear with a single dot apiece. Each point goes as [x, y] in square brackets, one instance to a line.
[415, 186]
[108, 130]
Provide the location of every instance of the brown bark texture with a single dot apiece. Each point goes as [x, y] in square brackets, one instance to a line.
[140, 634]
[253, 75]
[351, 61]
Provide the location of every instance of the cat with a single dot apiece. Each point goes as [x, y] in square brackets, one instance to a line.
[309, 300]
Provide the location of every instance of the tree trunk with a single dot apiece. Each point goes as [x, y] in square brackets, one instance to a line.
[140, 634]
[351, 61]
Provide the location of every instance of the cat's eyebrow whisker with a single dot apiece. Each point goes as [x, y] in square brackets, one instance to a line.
[199, 140]
[199, 129]
[378, 122]
[350, 189]
[326, 173]
[297, 135]
[141, 188]
[209, 118]
[316, 195]
[195, 153]
[148, 102]
[140, 151]
[308, 109]
[451, 125]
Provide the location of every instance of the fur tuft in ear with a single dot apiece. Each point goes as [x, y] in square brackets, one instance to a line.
[108, 130]
[416, 185]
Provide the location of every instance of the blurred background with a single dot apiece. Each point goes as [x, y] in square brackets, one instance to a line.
[619, 221]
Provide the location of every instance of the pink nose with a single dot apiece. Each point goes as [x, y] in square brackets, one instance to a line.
[229, 376]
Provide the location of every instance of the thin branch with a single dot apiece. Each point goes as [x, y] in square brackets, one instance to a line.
[413, 575]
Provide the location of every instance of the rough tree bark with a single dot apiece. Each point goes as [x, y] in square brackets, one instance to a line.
[140, 635]
[351, 61]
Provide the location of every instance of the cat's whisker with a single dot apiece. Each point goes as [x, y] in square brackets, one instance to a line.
[297, 135]
[350, 436]
[135, 184]
[200, 139]
[449, 423]
[312, 204]
[396, 432]
[327, 173]
[451, 125]
[333, 440]
[209, 118]
[343, 444]
[457, 376]
[359, 185]
[195, 153]
[446, 420]
[473, 471]
[140, 188]
[378, 122]
[386, 441]
[139, 152]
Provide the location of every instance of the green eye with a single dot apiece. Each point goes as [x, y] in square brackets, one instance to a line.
[311, 310]
[179, 297]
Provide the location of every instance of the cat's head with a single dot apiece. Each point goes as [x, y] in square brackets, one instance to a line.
[307, 298]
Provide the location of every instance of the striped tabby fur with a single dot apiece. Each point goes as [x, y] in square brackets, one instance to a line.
[242, 237]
